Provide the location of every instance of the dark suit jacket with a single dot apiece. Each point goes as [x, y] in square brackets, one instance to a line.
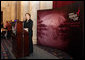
[29, 24]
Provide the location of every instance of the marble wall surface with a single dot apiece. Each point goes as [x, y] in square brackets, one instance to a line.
[16, 10]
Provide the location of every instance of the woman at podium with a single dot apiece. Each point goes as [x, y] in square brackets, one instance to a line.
[28, 24]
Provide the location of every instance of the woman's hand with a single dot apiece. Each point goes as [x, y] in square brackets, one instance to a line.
[26, 29]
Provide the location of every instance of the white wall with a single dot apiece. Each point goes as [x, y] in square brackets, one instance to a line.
[18, 9]
[46, 5]
[38, 5]
[32, 7]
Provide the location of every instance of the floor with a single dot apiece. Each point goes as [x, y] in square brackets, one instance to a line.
[38, 52]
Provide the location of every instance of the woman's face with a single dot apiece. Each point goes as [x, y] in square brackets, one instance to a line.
[27, 17]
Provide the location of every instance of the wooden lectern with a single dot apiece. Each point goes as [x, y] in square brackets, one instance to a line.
[20, 42]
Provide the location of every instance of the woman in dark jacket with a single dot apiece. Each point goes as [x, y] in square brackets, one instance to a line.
[28, 23]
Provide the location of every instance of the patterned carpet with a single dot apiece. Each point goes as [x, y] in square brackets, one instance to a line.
[4, 49]
[58, 53]
[6, 44]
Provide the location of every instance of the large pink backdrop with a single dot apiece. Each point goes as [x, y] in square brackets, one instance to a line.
[57, 30]
[50, 32]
